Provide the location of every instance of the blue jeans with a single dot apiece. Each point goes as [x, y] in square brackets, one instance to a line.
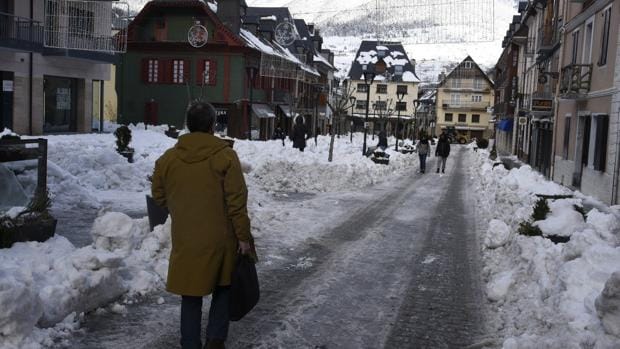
[191, 316]
[422, 162]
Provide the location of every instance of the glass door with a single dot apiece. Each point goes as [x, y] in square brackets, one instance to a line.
[60, 104]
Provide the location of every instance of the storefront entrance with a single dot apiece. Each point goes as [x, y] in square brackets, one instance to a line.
[60, 104]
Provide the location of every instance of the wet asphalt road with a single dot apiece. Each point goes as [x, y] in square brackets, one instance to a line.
[401, 271]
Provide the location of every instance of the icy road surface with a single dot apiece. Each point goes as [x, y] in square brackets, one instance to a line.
[399, 270]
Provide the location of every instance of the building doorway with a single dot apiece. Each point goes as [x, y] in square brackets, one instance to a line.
[582, 149]
[6, 100]
[60, 104]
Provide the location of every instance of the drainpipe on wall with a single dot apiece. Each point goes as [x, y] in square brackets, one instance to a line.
[30, 71]
[615, 179]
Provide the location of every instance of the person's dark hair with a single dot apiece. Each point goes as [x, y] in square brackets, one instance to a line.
[200, 117]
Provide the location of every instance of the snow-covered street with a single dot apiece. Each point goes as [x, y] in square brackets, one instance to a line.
[352, 254]
[396, 269]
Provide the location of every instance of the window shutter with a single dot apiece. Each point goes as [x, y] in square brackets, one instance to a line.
[145, 70]
[187, 70]
[200, 70]
[213, 72]
[165, 71]
[600, 147]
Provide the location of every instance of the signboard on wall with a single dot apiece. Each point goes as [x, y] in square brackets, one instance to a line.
[7, 85]
[63, 98]
[542, 104]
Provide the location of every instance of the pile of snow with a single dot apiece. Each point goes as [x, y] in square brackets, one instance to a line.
[42, 284]
[46, 287]
[546, 294]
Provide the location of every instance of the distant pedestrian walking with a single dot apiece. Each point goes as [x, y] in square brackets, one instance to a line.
[442, 152]
[383, 142]
[299, 134]
[424, 148]
[279, 134]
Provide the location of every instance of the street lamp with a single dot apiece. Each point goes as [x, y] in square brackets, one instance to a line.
[369, 76]
[318, 89]
[416, 103]
[251, 69]
[352, 99]
[399, 95]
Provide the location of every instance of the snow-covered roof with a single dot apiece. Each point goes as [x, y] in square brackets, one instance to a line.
[399, 67]
[274, 49]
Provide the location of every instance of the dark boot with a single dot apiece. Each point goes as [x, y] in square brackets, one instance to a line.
[438, 170]
[215, 344]
[443, 170]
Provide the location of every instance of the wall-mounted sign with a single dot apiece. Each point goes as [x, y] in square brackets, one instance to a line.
[7, 85]
[522, 121]
[63, 98]
[285, 33]
[542, 104]
[197, 36]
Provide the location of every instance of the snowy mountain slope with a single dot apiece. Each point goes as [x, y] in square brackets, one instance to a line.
[436, 37]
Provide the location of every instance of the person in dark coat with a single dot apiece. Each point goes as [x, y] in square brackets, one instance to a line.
[442, 151]
[383, 142]
[424, 148]
[299, 134]
[279, 134]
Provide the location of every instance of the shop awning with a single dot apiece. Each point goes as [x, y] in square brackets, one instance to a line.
[505, 125]
[286, 110]
[263, 111]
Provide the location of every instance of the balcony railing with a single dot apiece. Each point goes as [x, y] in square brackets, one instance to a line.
[467, 105]
[576, 80]
[467, 86]
[20, 33]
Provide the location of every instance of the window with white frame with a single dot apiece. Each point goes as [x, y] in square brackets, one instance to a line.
[476, 98]
[153, 71]
[478, 83]
[178, 71]
[575, 49]
[456, 83]
[605, 39]
[467, 65]
[455, 99]
[587, 42]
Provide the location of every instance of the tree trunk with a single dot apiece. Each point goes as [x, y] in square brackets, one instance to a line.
[331, 143]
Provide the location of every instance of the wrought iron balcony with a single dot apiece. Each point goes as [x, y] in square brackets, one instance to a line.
[576, 80]
[18, 33]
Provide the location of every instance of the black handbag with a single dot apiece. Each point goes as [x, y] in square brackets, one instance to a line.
[244, 289]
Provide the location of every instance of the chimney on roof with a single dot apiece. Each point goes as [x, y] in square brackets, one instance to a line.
[230, 12]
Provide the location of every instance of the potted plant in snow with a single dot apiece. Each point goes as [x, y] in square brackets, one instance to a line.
[123, 138]
[380, 157]
[35, 223]
[172, 132]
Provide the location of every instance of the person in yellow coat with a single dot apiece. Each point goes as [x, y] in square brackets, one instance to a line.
[201, 183]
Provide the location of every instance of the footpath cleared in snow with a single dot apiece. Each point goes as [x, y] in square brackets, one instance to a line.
[351, 287]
